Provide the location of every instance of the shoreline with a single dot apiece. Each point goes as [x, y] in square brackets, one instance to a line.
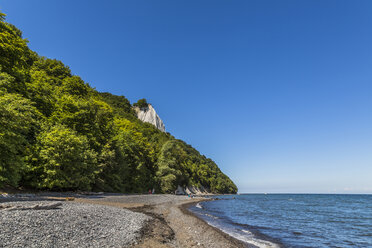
[185, 209]
[240, 243]
[172, 224]
[185, 235]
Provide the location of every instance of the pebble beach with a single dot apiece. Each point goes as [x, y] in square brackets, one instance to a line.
[106, 220]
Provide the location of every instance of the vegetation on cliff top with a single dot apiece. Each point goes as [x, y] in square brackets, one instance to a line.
[141, 103]
[58, 133]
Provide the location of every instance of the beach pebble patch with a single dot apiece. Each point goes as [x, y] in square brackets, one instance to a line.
[69, 225]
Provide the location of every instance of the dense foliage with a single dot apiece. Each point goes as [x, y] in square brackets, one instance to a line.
[58, 133]
[141, 103]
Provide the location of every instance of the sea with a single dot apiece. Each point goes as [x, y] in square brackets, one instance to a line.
[292, 220]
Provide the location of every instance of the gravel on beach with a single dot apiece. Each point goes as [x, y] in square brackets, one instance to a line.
[144, 199]
[71, 225]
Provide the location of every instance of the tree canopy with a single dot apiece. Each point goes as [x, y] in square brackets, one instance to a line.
[141, 103]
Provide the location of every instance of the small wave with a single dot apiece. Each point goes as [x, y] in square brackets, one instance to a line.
[214, 217]
[366, 235]
[245, 236]
[199, 206]
[249, 237]
[231, 229]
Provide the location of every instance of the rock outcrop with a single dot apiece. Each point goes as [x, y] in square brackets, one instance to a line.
[148, 114]
[192, 190]
[180, 191]
[197, 190]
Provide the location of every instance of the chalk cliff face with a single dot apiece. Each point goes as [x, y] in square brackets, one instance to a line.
[192, 190]
[149, 115]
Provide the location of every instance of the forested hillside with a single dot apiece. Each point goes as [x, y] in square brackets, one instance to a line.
[59, 133]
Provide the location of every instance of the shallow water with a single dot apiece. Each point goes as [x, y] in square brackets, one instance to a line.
[293, 220]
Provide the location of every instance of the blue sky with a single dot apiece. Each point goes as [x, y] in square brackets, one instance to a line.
[278, 93]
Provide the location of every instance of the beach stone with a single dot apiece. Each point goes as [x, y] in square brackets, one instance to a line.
[71, 225]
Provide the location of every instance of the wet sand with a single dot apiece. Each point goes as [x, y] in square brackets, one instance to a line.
[173, 225]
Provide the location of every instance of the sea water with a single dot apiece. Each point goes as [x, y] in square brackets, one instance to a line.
[292, 220]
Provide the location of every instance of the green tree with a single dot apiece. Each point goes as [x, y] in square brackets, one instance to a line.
[89, 117]
[10, 84]
[53, 68]
[141, 103]
[42, 91]
[136, 156]
[75, 86]
[63, 160]
[120, 104]
[171, 161]
[17, 123]
[15, 56]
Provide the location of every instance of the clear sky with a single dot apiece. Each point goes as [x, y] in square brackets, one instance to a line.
[278, 93]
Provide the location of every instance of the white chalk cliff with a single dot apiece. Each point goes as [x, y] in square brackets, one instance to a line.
[149, 115]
